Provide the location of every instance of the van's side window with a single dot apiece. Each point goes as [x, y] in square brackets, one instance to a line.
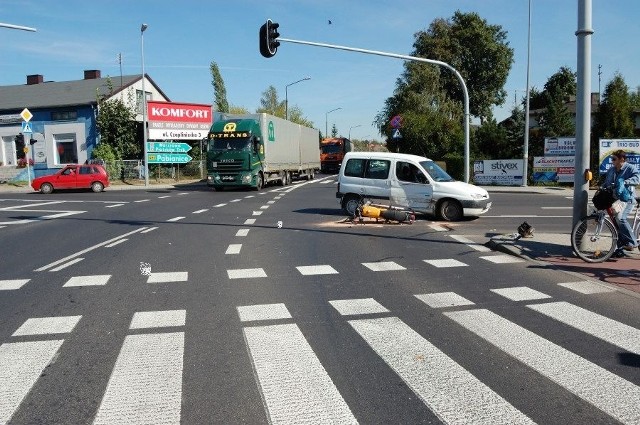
[354, 168]
[407, 172]
[377, 169]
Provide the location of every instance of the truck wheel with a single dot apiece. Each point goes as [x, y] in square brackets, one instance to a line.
[450, 210]
[259, 182]
[283, 179]
[350, 204]
[288, 175]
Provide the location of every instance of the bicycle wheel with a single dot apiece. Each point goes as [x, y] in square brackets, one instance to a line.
[594, 239]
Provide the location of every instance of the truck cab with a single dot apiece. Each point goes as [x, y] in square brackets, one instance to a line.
[332, 152]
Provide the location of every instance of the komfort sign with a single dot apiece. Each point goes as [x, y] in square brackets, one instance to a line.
[178, 121]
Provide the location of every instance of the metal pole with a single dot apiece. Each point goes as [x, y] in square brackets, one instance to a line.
[286, 96]
[355, 126]
[525, 150]
[326, 120]
[17, 27]
[144, 110]
[583, 111]
[465, 92]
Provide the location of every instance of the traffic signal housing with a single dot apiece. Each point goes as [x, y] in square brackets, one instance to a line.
[268, 39]
[20, 145]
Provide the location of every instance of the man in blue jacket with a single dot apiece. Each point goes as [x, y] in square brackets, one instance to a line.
[623, 177]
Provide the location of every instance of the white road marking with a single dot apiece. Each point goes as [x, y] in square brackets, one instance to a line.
[446, 262]
[587, 287]
[295, 386]
[264, 207]
[271, 202]
[236, 200]
[609, 330]
[246, 273]
[383, 266]
[183, 193]
[47, 325]
[520, 293]
[250, 221]
[443, 299]
[168, 277]
[200, 211]
[150, 229]
[176, 219]
[450, 391]
[65, 265]
[142, 200]
[114, 206]
[354, 307]
[234, 248]
[470, 243]
[96, 280]
[9, 285]
[249, 196]
[438, 228]
[525, 216]
[219, 205]
[88, 249]
[249, 313]
[21, 364]
[165, 196]
[315, 270]
[257, 213]
[146, 383]
[158, 319]
[327, 181]
[242, 232]
[119, 241]
[608, 392]
[502, 259]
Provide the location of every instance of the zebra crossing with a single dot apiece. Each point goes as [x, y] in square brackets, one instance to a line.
[146, 381]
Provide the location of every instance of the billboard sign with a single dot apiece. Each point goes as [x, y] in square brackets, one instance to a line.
[501, 172]
[559, 146]
[178, 121]
[559, 169]
[608, 146]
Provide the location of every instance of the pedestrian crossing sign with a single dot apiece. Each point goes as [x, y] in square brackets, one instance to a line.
[26, 127]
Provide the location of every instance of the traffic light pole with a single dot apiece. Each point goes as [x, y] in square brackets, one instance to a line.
[411, 58]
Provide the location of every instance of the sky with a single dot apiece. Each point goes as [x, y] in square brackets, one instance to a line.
[184, 37]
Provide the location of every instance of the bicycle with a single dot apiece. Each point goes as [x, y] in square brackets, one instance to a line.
[594, 238]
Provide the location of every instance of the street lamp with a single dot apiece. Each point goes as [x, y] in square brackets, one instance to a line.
[286, 97]
[525, 149]
[144, 110]
[355, 126]
[326, 120]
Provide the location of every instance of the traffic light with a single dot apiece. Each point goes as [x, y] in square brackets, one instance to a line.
[268, 39]
[32, 141]
[19, 146]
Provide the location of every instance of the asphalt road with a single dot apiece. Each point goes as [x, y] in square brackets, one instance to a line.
[201, 307]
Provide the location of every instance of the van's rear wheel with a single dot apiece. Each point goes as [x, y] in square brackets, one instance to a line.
[350, 204]
[450, 210]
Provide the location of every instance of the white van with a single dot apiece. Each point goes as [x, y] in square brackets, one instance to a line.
[408, 181]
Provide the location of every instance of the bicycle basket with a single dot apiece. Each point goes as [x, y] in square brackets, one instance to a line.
[603, 199]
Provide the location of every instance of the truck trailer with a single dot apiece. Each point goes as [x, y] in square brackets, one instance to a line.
[254, 150]
[332, 151]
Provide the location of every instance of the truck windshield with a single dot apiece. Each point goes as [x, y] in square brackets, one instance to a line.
[331, 148]
[241, 144]
[436, 173]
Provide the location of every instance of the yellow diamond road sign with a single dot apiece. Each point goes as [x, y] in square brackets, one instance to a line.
[26, 114]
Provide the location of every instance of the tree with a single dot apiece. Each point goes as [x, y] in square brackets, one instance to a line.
[490, 141]
[239, 110]
[615, 114]
[478, 51]
[270, 103]
[334, 131]
[553, 116]
[116, 124]
[219, 90]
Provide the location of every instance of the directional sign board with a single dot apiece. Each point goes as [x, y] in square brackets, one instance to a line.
[168, 147]
[168, 158]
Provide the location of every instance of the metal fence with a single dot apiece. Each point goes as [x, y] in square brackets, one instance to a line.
[133, 170]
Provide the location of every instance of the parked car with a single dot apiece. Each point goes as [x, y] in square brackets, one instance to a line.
[89, 176]
[407, 181]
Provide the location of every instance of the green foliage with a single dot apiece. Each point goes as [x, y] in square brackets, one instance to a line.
[490, 141]
[554, 117]
[238, 110]
[270, 104]
[219, 90]
[615, 114]
[105, 152]
[117, 126]
[480, 53]
[334, 131]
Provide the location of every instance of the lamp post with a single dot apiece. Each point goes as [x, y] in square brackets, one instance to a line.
[144, 110]
[355, 126]
[326, 120]
[286, 97]
[525, 150]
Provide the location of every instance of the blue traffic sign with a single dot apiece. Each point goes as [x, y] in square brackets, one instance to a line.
[26, 127]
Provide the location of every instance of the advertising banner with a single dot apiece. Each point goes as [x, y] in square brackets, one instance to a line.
[500, 172]
[178, 121]
[559, 146]
[548, 169]
[608, 146]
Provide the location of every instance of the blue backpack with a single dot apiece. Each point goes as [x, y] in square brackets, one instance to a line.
[622, 192]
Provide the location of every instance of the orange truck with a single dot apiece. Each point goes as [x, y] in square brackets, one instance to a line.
[332, 151]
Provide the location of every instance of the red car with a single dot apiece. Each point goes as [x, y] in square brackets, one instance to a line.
[87, 176]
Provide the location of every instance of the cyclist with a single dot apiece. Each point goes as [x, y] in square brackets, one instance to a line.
[623, 177]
